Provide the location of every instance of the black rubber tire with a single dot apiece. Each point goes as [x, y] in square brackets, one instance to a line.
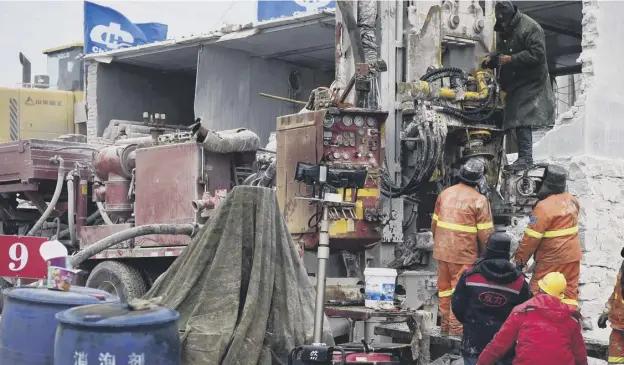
[150, 277]
[3, 285]
[127, 281]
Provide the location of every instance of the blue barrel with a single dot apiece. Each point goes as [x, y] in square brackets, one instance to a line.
[29, 324]
[114, 334]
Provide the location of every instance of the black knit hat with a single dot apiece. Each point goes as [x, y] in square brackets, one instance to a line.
[554, 182]
[471, 172]
[504, 11]
[498, 246]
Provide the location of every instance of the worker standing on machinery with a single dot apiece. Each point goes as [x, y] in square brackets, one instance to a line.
[461, 225]
[521, 56]
[552, 234]
[614, 313]
[485, 296]
[544, 330]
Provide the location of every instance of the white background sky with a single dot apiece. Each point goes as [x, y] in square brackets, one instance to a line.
[32, 26]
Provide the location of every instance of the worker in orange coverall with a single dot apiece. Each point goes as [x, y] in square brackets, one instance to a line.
[552, 234]
[461, 226]
[614, 313]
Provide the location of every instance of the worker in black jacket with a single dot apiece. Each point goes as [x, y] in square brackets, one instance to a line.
[520, 58]
[485, 296]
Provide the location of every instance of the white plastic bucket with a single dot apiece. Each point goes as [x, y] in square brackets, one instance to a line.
[379, 288]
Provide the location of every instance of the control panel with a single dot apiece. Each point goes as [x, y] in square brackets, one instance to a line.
[351, 140]
[339, 139]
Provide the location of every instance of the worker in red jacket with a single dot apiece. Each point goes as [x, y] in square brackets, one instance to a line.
[544, 330]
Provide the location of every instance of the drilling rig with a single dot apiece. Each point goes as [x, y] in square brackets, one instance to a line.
[409, 105]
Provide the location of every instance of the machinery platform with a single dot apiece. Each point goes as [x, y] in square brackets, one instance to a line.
[361, 313]
[400, 333]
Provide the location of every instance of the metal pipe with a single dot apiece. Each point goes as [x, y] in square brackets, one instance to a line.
[200, 205]
[25, 70]
[283, 99]
[323, 256]
[126, 234]
[57, 194]
[71, 207]
[105, 216]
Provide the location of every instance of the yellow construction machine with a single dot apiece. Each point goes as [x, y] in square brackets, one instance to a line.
[50, 105]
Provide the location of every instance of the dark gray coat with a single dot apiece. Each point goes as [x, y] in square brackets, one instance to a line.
[530, 101]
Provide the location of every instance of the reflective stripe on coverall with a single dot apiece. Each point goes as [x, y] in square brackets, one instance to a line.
[461, 225]
[615, 306]
[552, 235]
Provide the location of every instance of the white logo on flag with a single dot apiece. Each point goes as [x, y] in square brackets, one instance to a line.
[111, 35]
[312, 4]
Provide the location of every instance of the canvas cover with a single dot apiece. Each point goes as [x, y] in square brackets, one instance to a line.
[240, 287]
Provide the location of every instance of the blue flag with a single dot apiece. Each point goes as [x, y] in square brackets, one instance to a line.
[106, 29]
[271, 9]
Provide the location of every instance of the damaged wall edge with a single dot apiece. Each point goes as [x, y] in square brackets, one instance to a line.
[587, 141]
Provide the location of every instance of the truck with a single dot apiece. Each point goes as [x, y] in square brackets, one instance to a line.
[407, 108]
[46, 106]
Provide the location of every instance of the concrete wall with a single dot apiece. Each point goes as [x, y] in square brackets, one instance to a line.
[120, 91]
[588, 141]
[228, 84]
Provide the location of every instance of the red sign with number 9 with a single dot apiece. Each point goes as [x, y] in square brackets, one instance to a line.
[20, 257]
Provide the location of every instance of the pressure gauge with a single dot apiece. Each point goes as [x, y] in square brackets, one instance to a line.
[328, 122]
[347, 121]
[352, 143]
[339, 139]
[371, 122]
[345, 156]
[346, 143]
[336, 155]
[352, 134]
[359, 121]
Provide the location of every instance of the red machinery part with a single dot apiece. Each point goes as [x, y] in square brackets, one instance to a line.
[118, 205]
[114, 159]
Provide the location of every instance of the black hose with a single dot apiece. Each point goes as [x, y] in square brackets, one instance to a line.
[433, 139]
[422, 163]
[449, 70]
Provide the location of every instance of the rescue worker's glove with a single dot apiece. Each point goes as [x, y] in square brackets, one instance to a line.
[602, 320]
[503, 60]
[490, 61]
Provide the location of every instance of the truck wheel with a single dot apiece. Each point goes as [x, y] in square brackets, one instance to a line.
[119, 279]
[3, 285]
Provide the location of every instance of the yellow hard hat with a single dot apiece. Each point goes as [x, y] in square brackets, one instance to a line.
[554, 284]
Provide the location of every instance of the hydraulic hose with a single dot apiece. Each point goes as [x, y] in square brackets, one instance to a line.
[432, 138]
[57, 194]
[105, 216]
[444, 70]
[126, 234]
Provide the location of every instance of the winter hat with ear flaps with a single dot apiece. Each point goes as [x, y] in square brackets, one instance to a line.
[555, 178]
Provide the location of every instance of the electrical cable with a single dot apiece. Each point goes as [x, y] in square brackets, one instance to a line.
[316, 215]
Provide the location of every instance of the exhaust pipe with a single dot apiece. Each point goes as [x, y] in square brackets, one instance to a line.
[201, 205]
[208, 201]
[25, 70]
